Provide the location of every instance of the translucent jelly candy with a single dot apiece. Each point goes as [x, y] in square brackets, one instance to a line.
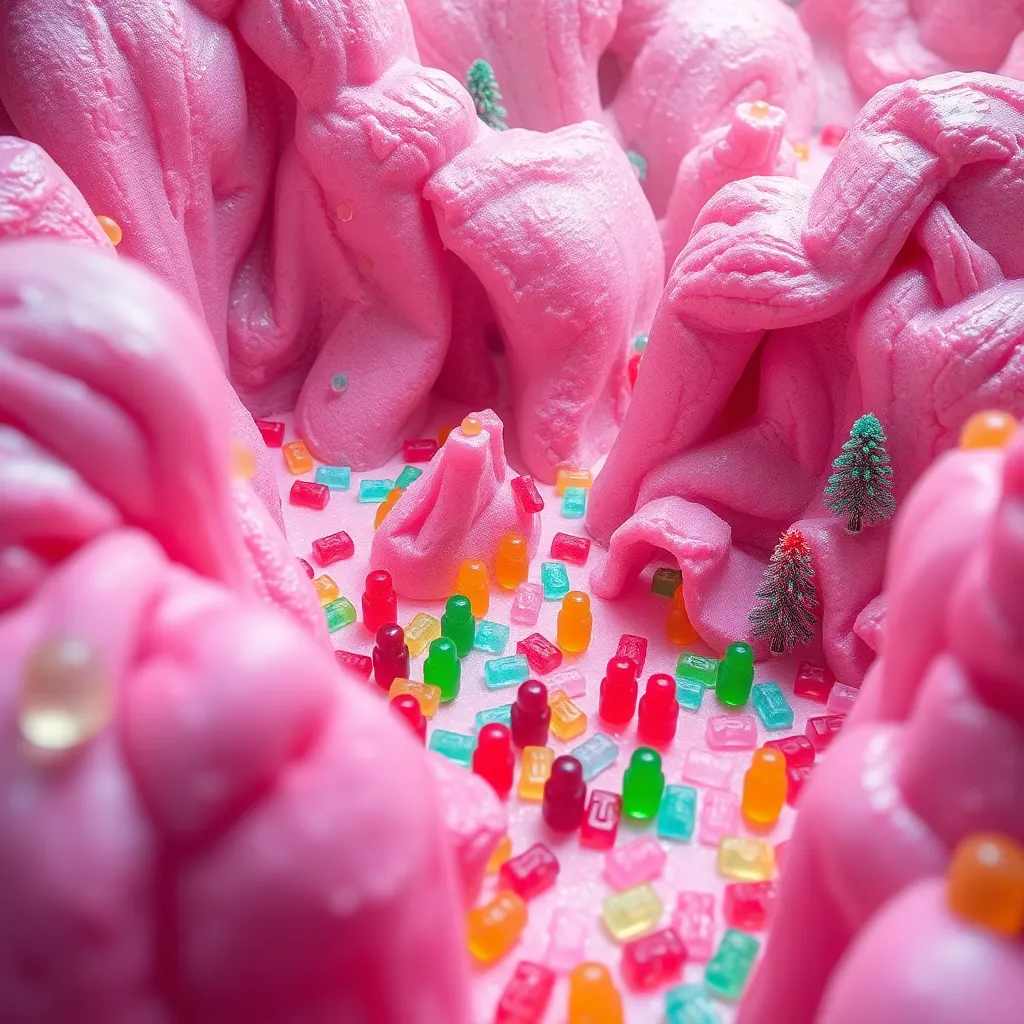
[690, 1004]
[745, 860]
[380, 602]
[428, 696]
[420, 632]
[66, 695]
[665, 581]
[634, 648]
[501, 714]
[574, 503]
[567, 721]
[339, 613]
[386, 506]
[335, 547]
[658, 713]
[421, 450]
[596, 754]
[458, 623]
[567, 548]
[456, 746]
[575, 622]
[747, 905]
[813, 681]
[491, 637]
[565, 794]
[764, 787]
[841, 699]
[731, 732]
[593, 997]
[494, 759]
[471, 425]
[642, 784]
[306, 567]
[554, 580]
[526, 605]
[796, 777]
[570, 681]
[698, 668]
[306, 494]
[653, 961]
[473, 582]
[528, 498]
[630, 913]
[373, 492]
[531, 873]
[525, 998]
[390, 655]
[797, 750]
[407, 707]
[601, 820]
[678, 813]
[272, 432]
[821, 731]
[509, 671]
[360, 665]
[988, 429]
[408, 475]
[728, 970]
[566, 478]
[771, 706]
[567, 937]
[694, 922]
[493, 929]
[534, 772]
[618, 692]
[689, 694]
[442, 668]
[531, 715]
[707, 769]
[736, 674]
[502, 852]
[719, 816]
[541, 653]
[326, 589]
[513, 565]
[678, 628]
[985, 883]
[297, 458]
[638, 861]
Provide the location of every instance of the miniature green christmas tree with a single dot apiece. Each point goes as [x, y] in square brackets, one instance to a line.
[861, 486]
[483, 87]
[787, 596]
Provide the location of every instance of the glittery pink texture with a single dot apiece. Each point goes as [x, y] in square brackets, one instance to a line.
[694, 922]
[708, 769]
[640, 860]
[719, 816]
[731, 732]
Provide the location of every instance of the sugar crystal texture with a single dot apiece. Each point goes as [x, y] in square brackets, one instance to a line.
[339, 613]
[697, 668]
[420, 632]
[813, 681]
[541, 653]
[745, 860]
[690, 1004]
[731, 732]
[677, 815]
[653, 961]
[689, 694]
[555, 580]
[493, 929]
[574, 503]
[535, 770]
[491, 637]
[297, 458]
[375, 491]
[640, 860]
[567, 720]
[525, 492]
[748, 905]
[530, 873]
[508, 671]
[272, 432]
[595, 755]
[694, 922]
[629, 914]
[567, 939]
[526, 604]
[525, 998]
[708, 769]
[428, 696]
[719, 816]
[337, 478]
[727, 972]
[985, 883]
[567, 548]
[407, 476]
[601, 820]
[305, 494]
[665, 581]
[771, 706]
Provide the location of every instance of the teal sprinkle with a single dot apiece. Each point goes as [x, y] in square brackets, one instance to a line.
[639, 164]
[483, 87]
[339, 383]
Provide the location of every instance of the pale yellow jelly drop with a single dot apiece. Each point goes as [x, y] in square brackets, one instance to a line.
[802, 150]
[988, 429]
[65, 696]
[760, 109]
[111, 229]
[471, 426]
[345, 212]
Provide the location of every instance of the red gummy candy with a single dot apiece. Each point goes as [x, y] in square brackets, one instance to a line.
[390, 655]
[421, 450]
[541, 653]
[334, 548]
[795, 778]
[634, 648]
[654, 960]
[380, 602]
[531, 873]
[567, 548]
[601, 821]
[307, 567]
[494, 759]
[658, 714]
[306, 494]
[797, 750]
[406, 706]
[618, 692]
[528, 498]
[633, 368]
[531, 715]
[565, 793]
[832, 135]
[272, 431]
[358, 664]
[821, 731]
[527, 994]
[813, 681]
[747, 905]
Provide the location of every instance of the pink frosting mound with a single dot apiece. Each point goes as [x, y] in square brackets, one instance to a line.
[933, 752]
[792, 312]
[460, 508]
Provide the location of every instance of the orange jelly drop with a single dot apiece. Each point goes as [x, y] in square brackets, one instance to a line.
[760, 109]
[471, 426]
[111, 229]
[985, 882]
[988, 429]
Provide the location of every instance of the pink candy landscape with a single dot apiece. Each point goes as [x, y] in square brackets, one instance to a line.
[220, 210]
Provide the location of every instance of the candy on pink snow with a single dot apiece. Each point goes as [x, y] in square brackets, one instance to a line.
[640, 860]
[694, 921]
[731, 732]
[526, 604]
[708, 769]
[841, 699]
[719, 816]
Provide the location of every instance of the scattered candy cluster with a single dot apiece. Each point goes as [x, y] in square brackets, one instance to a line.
[512, 747]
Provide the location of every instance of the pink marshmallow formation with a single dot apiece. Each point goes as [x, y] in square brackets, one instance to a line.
[791, 312]
[459, 509]
[334, 209]
[932, 752]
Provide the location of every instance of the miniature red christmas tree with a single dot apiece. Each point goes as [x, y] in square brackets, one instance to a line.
[861, 486]
[787, 596]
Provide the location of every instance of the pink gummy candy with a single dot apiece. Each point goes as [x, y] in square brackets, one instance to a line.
[719, 816]
[708, 769]
[731, 732]
[694, 922]
[641, 860]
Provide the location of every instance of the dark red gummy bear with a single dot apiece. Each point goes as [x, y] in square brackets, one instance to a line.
[390, 655]
[406, 706]
[531, 873]
[531, 715]
[565, 794]
[494, 759]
